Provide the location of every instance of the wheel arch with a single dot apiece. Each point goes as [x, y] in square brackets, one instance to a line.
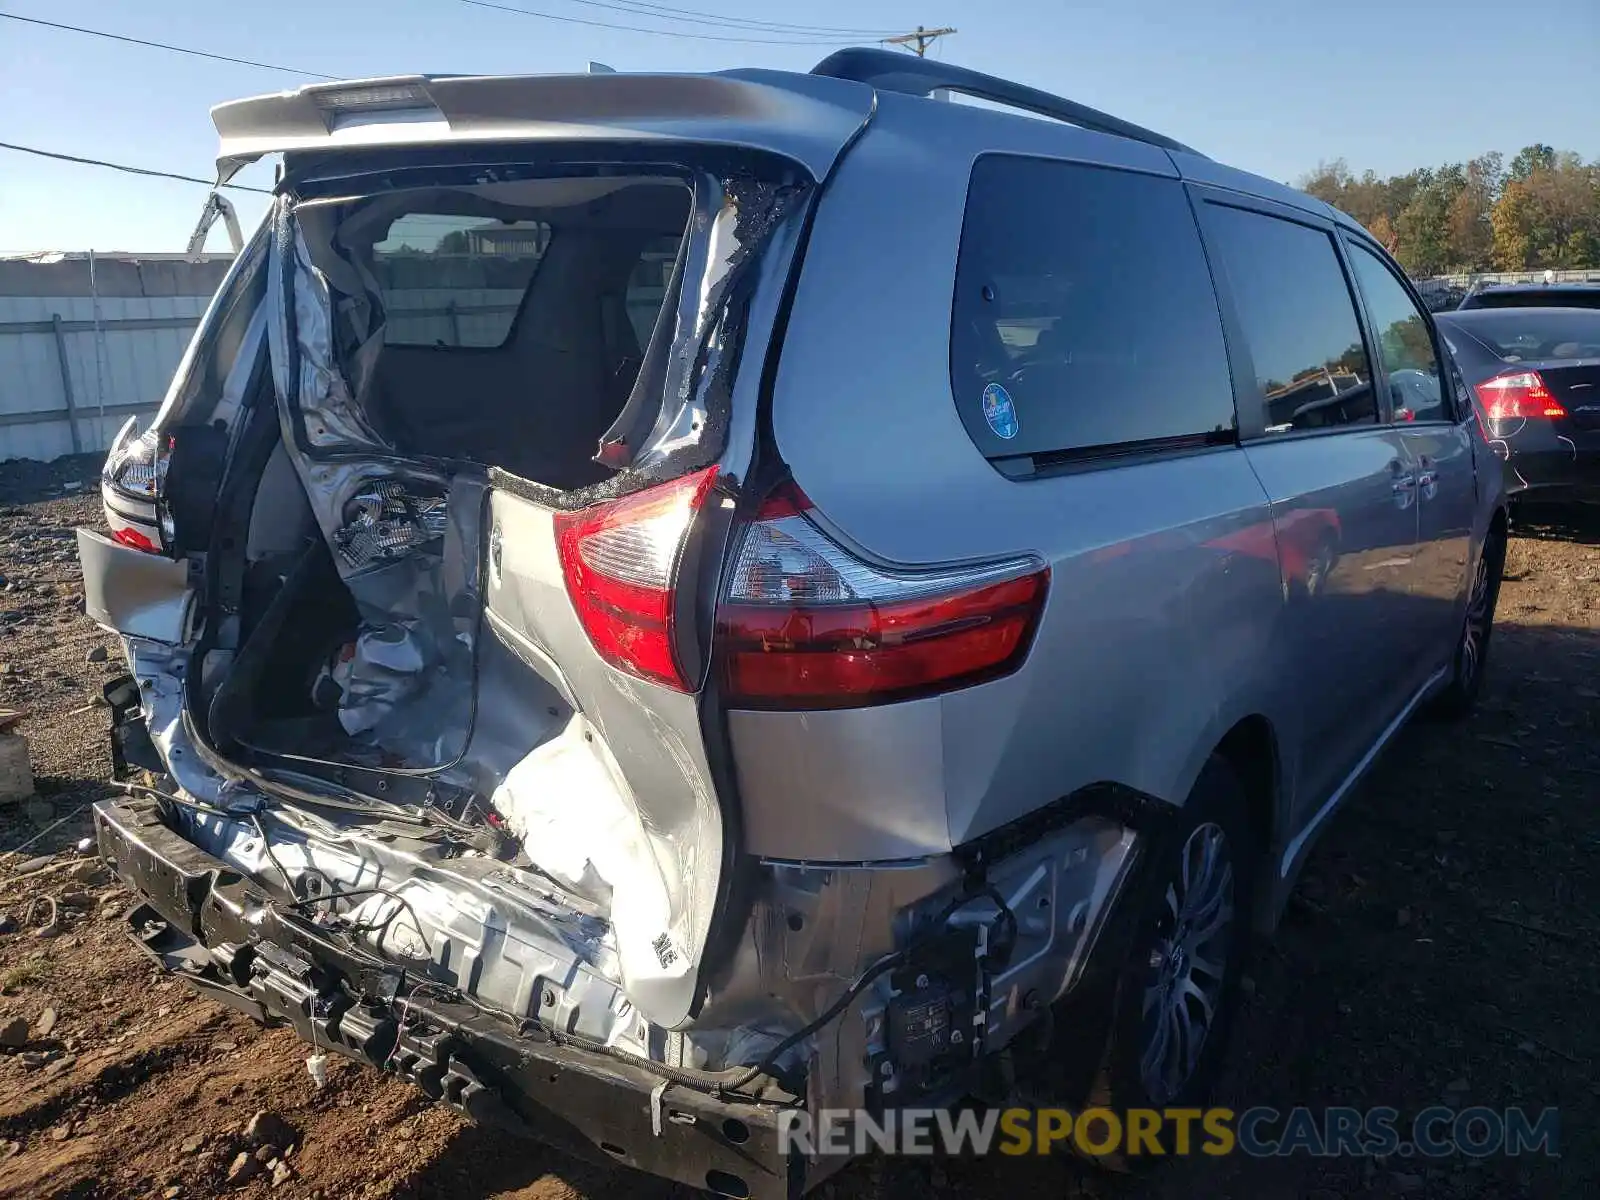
[1250, 748]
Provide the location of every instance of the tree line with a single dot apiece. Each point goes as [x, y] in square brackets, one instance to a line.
[1541, 210]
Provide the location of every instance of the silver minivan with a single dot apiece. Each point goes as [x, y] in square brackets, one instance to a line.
[655, 603]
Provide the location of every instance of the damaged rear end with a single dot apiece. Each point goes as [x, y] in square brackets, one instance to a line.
[454, 543]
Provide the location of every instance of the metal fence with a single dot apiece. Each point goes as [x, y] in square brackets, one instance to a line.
[72, 369]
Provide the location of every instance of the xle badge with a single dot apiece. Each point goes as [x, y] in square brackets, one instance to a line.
[999, 411]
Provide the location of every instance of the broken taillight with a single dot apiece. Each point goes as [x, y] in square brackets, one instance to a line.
[132, 484]
[620, 563]
[804, 623]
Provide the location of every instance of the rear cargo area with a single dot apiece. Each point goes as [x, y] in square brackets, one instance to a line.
[468, 329]
[398, 709]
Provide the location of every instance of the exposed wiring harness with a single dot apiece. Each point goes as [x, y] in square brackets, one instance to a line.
[887, 963]
[369, 926]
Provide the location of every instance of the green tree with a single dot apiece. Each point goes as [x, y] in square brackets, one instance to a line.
[1540, 210]
[1424, 231]
[1530, 159]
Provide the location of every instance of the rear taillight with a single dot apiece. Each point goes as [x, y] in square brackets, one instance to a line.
[620, 563]
[1518, 394]
[130, 536]
[135, 476]
[806, 624]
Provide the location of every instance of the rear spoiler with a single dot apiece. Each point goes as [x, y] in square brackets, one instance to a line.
[806, 118]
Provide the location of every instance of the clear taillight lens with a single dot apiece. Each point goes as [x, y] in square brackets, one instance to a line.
[132, 484]
[620, 563]
[137, 466]
[806, 624]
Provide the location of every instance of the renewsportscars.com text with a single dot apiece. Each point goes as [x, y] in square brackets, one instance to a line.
[1149, 1132]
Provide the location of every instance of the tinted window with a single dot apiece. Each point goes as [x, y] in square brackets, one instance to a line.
[1299, 320]
[1404, 342]
[1535, 298]
[1084, 314]
[1521, 334]
[450, 280]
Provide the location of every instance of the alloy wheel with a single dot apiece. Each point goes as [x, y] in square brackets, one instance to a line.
[1189, 962]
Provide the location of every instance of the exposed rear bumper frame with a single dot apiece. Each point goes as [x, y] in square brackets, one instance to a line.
[207, 924]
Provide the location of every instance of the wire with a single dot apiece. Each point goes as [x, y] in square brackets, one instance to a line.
[351, 893]
[674, 33]
[690, 16]
[133, 41]
[140, 789]
[97, 162]
[266, 844]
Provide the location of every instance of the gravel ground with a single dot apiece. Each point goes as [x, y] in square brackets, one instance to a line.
[1439, 950]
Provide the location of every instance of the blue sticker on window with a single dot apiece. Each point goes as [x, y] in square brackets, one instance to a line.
[999, 411]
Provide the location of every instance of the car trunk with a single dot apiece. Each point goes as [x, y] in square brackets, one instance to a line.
[1576, 387]
[491, 412]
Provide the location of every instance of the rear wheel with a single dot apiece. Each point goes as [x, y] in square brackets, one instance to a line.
[1472, 648]
[1180, 985]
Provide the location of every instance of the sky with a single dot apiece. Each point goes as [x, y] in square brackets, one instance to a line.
[1272, 86]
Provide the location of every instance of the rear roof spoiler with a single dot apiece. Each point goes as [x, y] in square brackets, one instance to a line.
[890, 71]
[807, 118]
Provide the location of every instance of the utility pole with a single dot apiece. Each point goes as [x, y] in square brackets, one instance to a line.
[919, 41]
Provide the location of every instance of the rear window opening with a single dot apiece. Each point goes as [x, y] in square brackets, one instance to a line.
[503, 323]
[445, 341]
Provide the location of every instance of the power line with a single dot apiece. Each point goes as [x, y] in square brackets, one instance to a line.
[673, 33]
[97, 162]
[133, 41]
[692, 16]
[919, 41]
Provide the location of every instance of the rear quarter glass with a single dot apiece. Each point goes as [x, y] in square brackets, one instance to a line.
[1084, 315]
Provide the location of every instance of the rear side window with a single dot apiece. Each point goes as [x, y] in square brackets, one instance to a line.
[1084, 314]
[1298, 318]
[455, 281]
[1405, 344]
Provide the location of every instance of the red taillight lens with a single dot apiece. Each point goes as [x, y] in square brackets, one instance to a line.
[806, 624]
[1518, 394]
[620, 563]
[132, 537]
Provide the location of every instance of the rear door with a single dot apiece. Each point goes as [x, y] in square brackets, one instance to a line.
[1342, 482]
[1423, 411]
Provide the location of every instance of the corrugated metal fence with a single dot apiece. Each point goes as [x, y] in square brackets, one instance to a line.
[69, 376]
[86, 340]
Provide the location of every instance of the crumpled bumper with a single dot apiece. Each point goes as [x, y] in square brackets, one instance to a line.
[211, 926]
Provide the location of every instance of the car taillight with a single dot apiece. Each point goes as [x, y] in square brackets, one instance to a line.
[620, 563]
[135, 476]
[1518, 394]
[129, 536]
[804, 623]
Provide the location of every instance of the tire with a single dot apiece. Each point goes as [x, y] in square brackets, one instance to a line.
[1135, 1071]
[1471, 659]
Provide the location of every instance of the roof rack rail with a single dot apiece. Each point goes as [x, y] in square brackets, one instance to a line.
[891, 71]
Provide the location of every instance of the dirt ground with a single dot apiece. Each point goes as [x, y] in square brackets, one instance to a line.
[1441, 949]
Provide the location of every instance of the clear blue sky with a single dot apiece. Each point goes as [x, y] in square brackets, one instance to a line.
[1273, 86]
